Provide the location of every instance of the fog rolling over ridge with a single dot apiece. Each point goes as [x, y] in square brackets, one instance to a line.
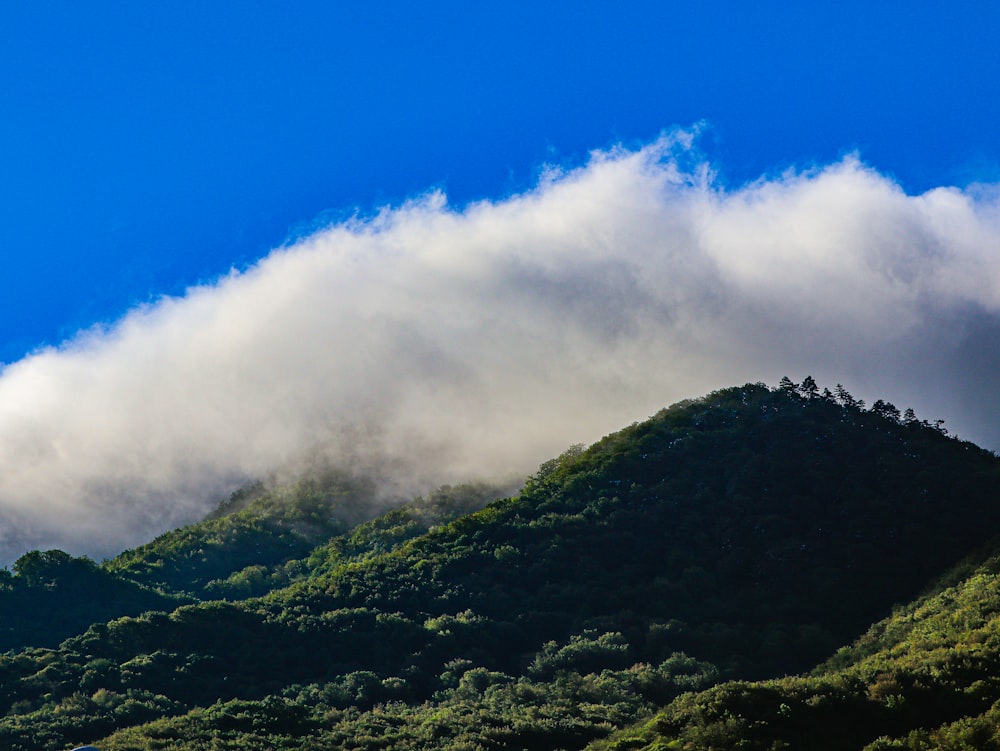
[430, 344]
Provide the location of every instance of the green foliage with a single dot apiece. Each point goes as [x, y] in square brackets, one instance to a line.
[264, 539]
[256, 527]
[389, 531]
[51, 595]
[927, 677]
[748, 519]
[585, 653]
[741, 536]
[481, 708]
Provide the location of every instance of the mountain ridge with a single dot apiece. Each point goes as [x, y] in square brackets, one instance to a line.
[743, 535]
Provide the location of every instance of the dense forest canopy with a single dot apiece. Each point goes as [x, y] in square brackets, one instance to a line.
[741, 537]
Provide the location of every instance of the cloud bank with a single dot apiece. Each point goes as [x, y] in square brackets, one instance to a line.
[434, 344]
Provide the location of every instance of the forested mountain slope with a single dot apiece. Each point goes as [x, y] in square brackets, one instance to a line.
[50, 596]
[259, 540]
[928, 677]
[266, 537]
[744, 535]
[258, 525]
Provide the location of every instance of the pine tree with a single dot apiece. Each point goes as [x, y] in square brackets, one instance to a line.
[844, 396]
[809, 388]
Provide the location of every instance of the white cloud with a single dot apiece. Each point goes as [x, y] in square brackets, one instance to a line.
[449, 343]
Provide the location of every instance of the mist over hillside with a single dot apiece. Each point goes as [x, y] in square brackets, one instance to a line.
[426, 343]
[740, 536]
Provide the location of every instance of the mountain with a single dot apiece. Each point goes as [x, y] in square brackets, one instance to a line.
[257, 526]
[51, 595]
[924, 678]
[264, 538]
[734, 538]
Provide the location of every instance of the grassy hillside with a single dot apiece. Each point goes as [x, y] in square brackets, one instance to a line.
[740, 536]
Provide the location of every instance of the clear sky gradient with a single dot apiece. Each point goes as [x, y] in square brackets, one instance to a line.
[150, 146]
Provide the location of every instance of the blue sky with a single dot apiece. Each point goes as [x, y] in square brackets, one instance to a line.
[444, 241]
[151, 146]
